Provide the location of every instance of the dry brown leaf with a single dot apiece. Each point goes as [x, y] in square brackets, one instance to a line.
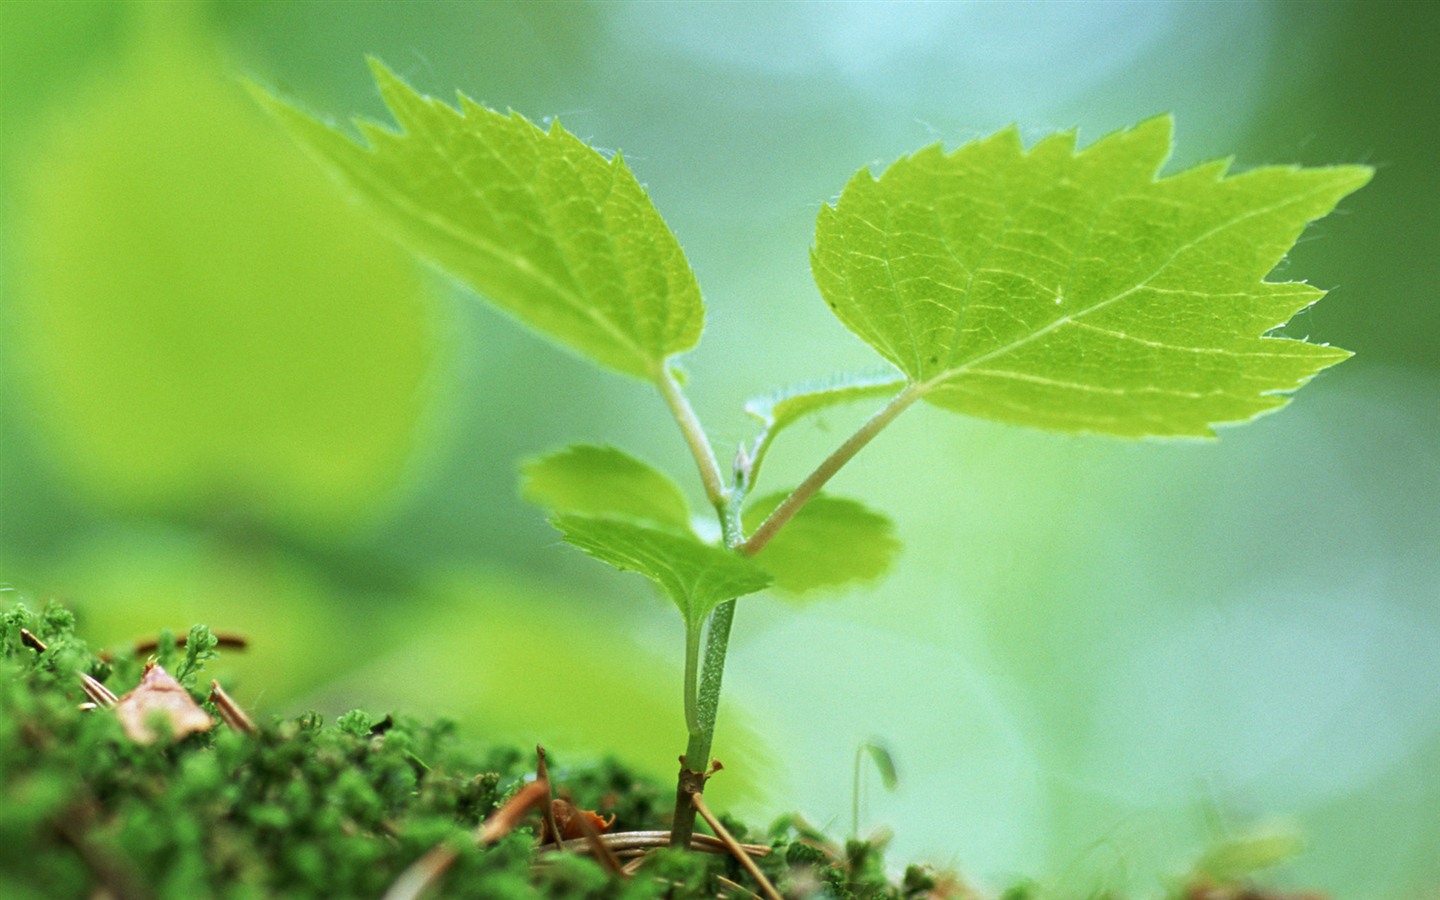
[157, 695]
[567, 819]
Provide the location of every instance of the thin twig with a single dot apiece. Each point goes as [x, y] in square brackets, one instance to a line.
[230, 712]
[633, 866]
[598, 848]
[228, 639]
[625, 842]
[430, 868]
[735, 886]
[97, 692]
[31, 641]
[736, 849]
[504, 819]
[542, 773]
[422, 873]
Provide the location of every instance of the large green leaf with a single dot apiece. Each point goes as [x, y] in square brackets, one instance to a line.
[696, 575]
[831, 542]
[541, 224]
[1078, 291]
[604, 481]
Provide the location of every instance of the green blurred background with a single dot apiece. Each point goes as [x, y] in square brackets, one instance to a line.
[225, 398]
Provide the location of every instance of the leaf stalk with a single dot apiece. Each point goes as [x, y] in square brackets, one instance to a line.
[827, 468]
[692, 663]
[703, 699]
[694, 435]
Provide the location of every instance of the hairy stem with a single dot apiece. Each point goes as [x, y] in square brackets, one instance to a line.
[702, 694]
[692, 664]
[695, 765]
[706, 695]
[694, 437]
[827, 469]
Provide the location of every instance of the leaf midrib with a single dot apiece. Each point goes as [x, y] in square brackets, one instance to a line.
[955, 372]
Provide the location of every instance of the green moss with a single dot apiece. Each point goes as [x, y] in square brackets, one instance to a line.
[303, 808]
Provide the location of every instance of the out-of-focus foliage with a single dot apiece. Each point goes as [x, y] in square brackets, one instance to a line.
[1093, 660]
[301, 807]
[205, 330]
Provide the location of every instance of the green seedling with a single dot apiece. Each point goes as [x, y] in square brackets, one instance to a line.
[1054, 287]
[884, 764]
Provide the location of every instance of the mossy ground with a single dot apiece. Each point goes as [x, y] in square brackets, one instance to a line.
[304, 808]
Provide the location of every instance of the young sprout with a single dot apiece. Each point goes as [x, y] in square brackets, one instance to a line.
[1056, 287]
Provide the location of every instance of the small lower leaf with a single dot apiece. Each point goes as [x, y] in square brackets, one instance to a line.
[696, 575]
[603, 481]
[832, 541]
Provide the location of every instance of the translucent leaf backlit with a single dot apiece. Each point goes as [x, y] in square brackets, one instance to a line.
[1077, 290]
[542, 225]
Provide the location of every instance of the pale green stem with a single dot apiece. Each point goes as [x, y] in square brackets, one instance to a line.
[706, 701]
[704, 698]
[758, 451]
[694, 436]
[692, 666]
[855, 796]
[702, 689]
[717, 642]
[827, 469]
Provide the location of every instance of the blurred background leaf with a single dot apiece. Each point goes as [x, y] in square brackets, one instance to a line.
[205, 329]
[223, 399]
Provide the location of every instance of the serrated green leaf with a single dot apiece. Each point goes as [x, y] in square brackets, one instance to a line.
[1078, 291]
[831, 542]
[536, 221]
[604, 481]
[696, 575]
